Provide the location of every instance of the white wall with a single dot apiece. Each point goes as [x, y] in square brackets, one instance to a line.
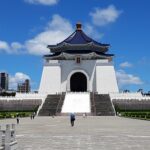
[105, 78]
[51, 79]
[56, 76]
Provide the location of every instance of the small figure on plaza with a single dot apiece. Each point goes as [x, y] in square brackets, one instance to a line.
[72, 119]
[17, 118]
[85, 115]
[33, 115]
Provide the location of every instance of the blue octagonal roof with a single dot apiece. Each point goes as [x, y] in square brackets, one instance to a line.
[78, 40]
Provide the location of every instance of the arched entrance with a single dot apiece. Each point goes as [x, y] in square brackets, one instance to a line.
[78, 82]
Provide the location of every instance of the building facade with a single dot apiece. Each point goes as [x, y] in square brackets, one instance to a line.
[24, 87]
[78, 64]
[4, 81]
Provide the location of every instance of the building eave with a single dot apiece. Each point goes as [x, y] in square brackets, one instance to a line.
[66, 55]
[76, 47]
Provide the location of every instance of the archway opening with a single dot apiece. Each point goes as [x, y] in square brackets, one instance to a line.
[78, 82]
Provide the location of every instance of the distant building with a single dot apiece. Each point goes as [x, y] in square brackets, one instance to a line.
[24, 87]
[3, 81]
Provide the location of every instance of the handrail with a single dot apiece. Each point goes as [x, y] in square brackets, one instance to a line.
[60, 100]
[93, 103]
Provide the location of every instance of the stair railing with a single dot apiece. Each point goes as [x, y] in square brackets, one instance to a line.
[112, 105]
[40, 107]
[93, 104]
[59, 103]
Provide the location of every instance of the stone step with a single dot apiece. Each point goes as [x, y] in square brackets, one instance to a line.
[101, 105]
[51, 104]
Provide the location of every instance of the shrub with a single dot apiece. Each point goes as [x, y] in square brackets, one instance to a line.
[14, 114]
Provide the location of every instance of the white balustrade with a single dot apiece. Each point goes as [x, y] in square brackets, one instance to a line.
[128, 96]
[8, 138]
[24, 96]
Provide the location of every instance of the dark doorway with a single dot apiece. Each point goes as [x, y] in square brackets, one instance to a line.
[78, 82]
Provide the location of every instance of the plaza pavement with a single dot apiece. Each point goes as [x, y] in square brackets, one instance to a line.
[92, 133]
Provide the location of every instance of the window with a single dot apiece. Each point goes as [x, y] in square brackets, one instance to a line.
[78, 60]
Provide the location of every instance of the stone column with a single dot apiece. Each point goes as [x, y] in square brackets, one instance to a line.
[7, 137]
[13, 135]
[0, 137]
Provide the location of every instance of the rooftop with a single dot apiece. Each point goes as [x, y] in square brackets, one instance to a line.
[78, 40]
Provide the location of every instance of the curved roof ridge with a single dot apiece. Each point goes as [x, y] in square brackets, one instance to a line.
[85, 36]
[70, 36]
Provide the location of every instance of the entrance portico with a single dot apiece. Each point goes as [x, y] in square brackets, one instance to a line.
[78, 82]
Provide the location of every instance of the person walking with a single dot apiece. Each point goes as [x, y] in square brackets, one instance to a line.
[33, 115]
[17, 118]
[72, 119]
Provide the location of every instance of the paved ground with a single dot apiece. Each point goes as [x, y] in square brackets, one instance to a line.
[93, 133]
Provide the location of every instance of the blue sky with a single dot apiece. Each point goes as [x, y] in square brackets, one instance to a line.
[27, 26]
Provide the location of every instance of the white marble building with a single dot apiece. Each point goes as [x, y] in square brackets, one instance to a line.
[78, 64]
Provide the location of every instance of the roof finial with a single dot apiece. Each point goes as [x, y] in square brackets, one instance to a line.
[78, 26]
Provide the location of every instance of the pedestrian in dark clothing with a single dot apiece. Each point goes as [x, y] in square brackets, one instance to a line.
[72, 119]
[17, 118]
[33, 115]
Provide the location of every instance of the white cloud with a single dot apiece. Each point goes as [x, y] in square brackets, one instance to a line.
[16, 46]
[91, 31]
[13, 48]
[102, 17]
[43, 2]
[125, 65]
[127, 79]
[17, 78]
[4, 46]
[56, 31]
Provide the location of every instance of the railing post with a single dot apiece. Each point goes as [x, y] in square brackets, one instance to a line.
[13, 136]
[7, 137]
[0, 137]
[93, 103]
